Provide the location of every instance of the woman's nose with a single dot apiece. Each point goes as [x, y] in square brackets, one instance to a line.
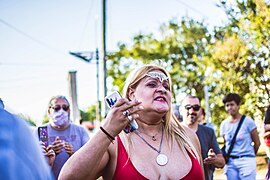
[161, 89]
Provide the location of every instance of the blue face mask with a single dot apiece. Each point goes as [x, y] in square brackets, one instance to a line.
[60, 118]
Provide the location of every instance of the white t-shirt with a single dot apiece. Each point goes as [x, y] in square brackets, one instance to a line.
[243, 143]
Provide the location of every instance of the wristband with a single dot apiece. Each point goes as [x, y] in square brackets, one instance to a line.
[108, 135]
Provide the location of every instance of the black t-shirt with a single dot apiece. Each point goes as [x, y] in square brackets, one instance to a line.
[208, 139]
[267, 116]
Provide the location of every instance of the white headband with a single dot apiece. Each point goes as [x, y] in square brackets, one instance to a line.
[160, 76]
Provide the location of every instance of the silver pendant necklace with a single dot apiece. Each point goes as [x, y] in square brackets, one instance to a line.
[161, 159]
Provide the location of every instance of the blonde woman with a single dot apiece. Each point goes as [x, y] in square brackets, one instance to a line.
[160, 148]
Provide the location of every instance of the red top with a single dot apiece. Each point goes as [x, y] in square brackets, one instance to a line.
[125, 169]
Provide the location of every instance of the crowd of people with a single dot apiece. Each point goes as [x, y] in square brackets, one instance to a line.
[161, 146]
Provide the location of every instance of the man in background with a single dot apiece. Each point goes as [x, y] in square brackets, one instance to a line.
[211, 154]
[60, 133]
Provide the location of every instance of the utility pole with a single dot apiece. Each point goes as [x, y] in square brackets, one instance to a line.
[101, 107]
[87, 57]
[98, 107]
[103, 55]
[75, 112]
[207, 108]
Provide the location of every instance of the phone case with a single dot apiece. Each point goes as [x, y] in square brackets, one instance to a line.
[111, 100]
[43, 135]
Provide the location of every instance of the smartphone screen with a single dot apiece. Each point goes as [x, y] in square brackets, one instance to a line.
[43, 135]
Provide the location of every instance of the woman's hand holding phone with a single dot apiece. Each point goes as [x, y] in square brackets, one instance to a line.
[122, 114]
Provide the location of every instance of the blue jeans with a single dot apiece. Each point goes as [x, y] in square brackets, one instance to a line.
[241, 168]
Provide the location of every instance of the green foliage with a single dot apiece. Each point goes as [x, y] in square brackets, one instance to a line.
[231, 58]
[89, 114]
[179, 48]
[242, 57]
[45, 119]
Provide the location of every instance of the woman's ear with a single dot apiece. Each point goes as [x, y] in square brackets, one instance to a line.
[130, 93]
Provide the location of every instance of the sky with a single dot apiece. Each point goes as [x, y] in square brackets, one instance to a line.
[36, 38]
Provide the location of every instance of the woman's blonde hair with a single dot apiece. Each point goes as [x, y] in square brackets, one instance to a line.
[172, 127]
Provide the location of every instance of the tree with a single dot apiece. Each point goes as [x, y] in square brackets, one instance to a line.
[231, 58]
[241, 57]
[180, 48]
[89, 114]
[45, 119]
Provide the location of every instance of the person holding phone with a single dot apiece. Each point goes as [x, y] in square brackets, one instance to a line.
[160, 148]
[63, 136]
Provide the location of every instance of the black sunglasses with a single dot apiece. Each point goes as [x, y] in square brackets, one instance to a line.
[194, 107]
[58, 107]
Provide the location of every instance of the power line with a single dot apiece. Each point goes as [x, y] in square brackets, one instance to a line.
[31, 64]
[29, 37]
[86, 24]
[29, 78]
[38, 84]
[190, 7]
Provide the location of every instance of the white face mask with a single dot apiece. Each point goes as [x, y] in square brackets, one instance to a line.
[60, 118]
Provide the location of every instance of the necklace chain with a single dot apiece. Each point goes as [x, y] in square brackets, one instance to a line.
[160, 145]
[153, 137]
